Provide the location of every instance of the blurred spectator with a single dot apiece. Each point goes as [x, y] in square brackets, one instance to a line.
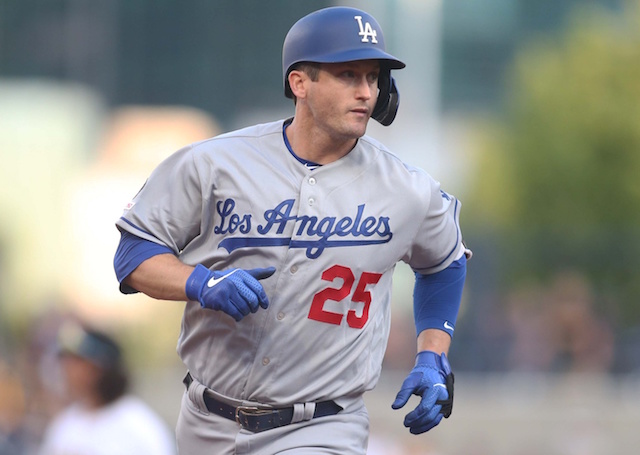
[102, 417]
[533, 348]
[584, 338]
[558, 329]
[12, 412]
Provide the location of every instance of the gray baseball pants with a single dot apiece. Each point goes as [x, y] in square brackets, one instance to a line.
[199, 432]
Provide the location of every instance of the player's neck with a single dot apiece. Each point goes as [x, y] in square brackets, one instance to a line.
[312, 144]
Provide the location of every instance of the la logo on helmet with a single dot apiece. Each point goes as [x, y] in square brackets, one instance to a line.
[366, 31]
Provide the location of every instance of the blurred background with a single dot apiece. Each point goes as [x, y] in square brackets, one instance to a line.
[527, 110]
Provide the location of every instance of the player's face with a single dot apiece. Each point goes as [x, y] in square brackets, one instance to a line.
[343, 97]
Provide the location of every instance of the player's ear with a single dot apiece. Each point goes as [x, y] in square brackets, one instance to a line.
[297, 79]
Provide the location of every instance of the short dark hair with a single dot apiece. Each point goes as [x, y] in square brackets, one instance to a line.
[113, 383]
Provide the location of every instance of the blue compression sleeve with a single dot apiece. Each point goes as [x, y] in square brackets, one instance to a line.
[436, 297]
[133, 251]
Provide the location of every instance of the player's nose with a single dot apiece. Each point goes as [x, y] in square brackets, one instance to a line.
[364, 89]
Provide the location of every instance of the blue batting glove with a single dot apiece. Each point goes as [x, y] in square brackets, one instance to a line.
[431, 379]
[236, 292]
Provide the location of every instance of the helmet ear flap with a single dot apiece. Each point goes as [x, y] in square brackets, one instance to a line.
[386, 107]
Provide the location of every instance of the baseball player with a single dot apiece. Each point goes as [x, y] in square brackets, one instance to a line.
[282, 238]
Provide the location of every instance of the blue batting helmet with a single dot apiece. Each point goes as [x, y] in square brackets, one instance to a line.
[342, 34]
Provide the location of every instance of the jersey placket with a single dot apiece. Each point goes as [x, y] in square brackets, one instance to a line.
[286, 307]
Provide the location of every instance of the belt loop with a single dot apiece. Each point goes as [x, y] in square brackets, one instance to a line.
[196, 395]
[298, 413]
[309, 410]
[303, 411]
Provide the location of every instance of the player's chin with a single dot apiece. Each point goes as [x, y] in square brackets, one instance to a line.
[358, 124]
[356, 133]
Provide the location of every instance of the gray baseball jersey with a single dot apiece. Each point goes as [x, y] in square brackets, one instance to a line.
[334, 235]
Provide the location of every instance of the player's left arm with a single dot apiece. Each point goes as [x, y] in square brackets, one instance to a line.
[436, 304]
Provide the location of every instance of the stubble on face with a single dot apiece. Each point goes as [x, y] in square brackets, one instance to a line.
[343, 98]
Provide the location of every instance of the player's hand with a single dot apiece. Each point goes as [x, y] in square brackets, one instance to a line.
[431, 379]
[236, 292]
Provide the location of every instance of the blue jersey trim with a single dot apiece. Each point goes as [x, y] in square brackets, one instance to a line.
[308, 164]
[135, 227]
[455, 217]
[133, 251]
[436, 297]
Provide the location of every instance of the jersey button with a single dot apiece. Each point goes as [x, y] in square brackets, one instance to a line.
[280, 316]
[312, 181]
[293, 269]
[311, 201]
[265, 361]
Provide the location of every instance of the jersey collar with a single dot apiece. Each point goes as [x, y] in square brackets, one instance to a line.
[308, 164]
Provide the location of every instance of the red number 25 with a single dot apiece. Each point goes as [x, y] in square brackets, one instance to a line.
[361, 294]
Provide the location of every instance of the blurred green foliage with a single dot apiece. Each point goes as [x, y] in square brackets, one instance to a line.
[559, 174]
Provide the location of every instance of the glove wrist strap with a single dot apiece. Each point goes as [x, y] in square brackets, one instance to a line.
[429, 358]
[196, 282]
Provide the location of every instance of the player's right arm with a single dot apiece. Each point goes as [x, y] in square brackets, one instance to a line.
[162, 276]
[161, 220]
[151, 268]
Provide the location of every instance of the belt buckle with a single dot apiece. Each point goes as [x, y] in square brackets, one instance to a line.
[252, 411]
[244, 409]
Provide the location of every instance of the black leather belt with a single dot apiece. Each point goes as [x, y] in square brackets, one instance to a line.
[257, 419]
